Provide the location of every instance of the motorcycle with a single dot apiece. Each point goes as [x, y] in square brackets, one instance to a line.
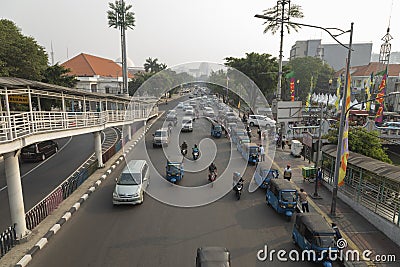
[195, 154]
[184, 151]
[238, 189]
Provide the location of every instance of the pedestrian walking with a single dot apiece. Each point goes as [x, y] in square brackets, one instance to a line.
[248, 131]
[259, 132]
[319, 176]
[262, 153]
[303, 200]
[287, 173]
[283, 142]
[338, 235]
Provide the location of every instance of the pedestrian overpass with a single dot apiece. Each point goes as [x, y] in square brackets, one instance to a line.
[32, 111]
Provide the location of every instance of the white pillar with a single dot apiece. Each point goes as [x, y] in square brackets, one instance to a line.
[129, 132]
[97, 149]
[15, 196]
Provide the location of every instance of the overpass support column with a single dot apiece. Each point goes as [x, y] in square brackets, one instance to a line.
[129, 132]
[15, 196]
[97, 149]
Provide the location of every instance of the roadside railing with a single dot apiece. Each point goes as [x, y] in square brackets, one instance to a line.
[8, 239]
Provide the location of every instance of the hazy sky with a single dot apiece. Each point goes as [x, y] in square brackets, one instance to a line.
[180, 31]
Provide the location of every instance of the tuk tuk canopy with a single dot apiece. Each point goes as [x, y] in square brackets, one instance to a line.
[315, 223]
[277, 185]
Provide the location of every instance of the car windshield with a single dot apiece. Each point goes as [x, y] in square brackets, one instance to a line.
[324, 241]
[288, 196]
[160, 134]
[31, 148]
[129, 179]
[173, 168]
[218, 128]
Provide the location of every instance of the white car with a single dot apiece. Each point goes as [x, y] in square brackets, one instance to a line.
[260, 120]
[180, 105]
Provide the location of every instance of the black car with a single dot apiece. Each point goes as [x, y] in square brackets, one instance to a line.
[39, 151]
[213, 257]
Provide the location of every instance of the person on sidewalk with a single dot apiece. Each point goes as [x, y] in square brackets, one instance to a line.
[319, 176]
[259, 132]
[303, 200]
[287, 173]
[283, 142]
[336, 229]
[262, 153]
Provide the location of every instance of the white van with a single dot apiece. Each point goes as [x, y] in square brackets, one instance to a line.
[130, 185]
[187, 124]
[161, 137]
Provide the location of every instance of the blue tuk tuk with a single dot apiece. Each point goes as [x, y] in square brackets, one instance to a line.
[264, 174]
[282, 196]
[174, 171]
[250, 152]
[311, 232]
[216, 130]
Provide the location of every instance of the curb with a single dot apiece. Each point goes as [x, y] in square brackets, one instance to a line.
[57, 226]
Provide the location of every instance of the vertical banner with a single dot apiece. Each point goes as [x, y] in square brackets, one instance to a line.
[345, 143]
[292, 89]
[338, 85]
[370, 84]
[379, 98]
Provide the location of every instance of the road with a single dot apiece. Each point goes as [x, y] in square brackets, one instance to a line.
[157, 234]
[40, 178]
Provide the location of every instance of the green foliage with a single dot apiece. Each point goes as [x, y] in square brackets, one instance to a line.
[262, 69]
[20, 56]
[276, 13]
[363, 142]
[304, 68]
[119, 16]
[152, 65]
[137, 81]
[59, 75]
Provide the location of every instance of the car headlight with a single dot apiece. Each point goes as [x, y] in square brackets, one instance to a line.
[115, 194]
[169, 174]
[136, 195]
[282, 206]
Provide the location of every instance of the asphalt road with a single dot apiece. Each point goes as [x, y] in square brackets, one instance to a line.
[40, 178]
[157, 234]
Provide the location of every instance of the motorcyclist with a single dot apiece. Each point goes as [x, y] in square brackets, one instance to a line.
[195, 148]
[237, 180]
[184, 146]
[212, 169]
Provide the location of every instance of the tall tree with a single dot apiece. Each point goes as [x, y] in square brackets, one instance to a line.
[152, 65]
[20, 56]
[278, 15]
[120, 17]
[304, 68]
[261, 68]
[58, 75]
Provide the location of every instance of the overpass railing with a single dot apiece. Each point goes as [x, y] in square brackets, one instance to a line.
[23, 124]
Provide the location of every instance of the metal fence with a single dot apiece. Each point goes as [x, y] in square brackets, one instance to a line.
[8, 239]
[374, 192]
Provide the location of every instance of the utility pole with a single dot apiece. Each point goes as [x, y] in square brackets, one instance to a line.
[279, 86]
[318, 152]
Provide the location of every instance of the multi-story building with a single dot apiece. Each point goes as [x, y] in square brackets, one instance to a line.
[333, 54]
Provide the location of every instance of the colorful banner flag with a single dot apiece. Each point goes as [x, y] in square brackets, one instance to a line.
[370, 84]
[338, 85]
[379, 97]
[345, 141]
[292, 89]
[238, 105]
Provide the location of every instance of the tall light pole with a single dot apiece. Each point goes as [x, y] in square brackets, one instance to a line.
[342, 115]
[341, 128]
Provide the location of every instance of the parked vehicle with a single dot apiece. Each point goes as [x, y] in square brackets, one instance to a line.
[264, 174]
[161, 137]
[39, 151]
[282, 196]
[250, 152]
[174, 171]
[260, 120]
[130, 185]
[236, 133]
[295, 148]
[213, 256]
[313, 233]
[216, 130]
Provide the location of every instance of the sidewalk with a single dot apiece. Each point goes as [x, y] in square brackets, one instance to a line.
[358, 232]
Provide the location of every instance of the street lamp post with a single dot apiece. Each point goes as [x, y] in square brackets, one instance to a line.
[342, 117]
[341, 128]
[329, 92]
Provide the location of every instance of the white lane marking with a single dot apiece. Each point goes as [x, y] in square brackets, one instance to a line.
[43, 162]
